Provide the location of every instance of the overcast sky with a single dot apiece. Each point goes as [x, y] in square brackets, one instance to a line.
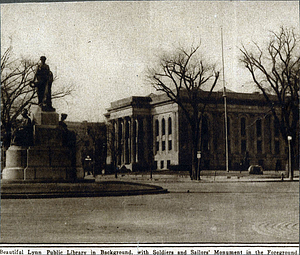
[104, 48]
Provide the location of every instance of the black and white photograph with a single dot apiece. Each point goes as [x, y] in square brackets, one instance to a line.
[173, 123]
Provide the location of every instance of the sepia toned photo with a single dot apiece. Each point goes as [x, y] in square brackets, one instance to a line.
[168, 123]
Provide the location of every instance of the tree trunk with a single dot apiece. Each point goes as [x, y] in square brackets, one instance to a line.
[194, 175]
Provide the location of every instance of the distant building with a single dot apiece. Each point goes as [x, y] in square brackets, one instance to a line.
[90, 146]
[152, 132]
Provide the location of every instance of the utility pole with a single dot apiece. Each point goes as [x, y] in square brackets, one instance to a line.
[290, 159]
[225, 106]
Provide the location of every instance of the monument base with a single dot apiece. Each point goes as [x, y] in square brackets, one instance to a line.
[50, 158]
[46, 174]
[38, 164]
[44, 118]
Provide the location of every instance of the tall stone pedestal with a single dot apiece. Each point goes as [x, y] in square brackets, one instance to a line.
[49, 159]
[16, 161]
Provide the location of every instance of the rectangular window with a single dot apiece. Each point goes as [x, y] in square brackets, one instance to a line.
[163, 145]
[243, 146]
[170, 145]
[168, 164]
[259, 146]
[157, 147]
[162, 164]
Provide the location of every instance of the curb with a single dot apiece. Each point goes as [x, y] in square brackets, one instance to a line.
[58, 190]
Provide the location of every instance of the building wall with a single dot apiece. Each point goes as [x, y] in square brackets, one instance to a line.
[165, 135]
[90, 145]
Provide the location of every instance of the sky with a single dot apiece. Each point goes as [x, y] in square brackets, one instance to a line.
[104, 48]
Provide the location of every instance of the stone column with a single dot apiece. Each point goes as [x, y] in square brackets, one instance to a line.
[136, 140]
[140, 140]
[146, 151]
[175, 133]
[123, 141]
[117, 142]
[126, 141]
[132, 137]
[129, 139]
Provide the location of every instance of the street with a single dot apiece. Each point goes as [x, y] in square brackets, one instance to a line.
[247, 212]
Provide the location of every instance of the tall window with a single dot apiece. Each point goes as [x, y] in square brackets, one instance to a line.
[258, 135]
[243, 146]
[163, 126]
[156, 128]
[169, 126]
[258, 128]
[170, 145]
[163, 145]
[243, 127]
[259, 146]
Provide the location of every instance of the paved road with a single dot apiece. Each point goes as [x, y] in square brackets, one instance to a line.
[191, 212]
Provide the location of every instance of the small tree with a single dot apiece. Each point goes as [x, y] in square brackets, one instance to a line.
[182, 77]
[275, 71]
[17, 92]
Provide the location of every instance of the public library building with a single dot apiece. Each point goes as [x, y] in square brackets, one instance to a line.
[152, 131]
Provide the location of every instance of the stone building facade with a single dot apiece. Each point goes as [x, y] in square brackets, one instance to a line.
[152, 131]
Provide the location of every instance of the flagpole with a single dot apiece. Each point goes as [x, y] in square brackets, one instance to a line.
[225, 105]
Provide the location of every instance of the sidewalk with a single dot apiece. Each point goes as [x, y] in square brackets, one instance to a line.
[206, 176]
[129, 184]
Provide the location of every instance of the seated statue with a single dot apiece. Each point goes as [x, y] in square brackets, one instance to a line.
[23, 134]
[69, 137]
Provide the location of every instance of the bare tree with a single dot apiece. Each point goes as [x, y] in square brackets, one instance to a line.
[182, 76]
[97, 133]
[113, 147]
[17, 93]
[275, 71]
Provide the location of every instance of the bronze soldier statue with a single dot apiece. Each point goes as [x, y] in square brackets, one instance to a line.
[42, 82]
